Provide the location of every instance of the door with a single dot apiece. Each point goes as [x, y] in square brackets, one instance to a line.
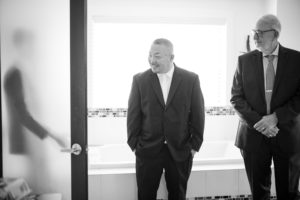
[43, 95]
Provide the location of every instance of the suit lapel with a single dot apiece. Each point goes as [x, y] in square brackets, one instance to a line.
[260, 72]
[176, 79]
[156, 87]
[280, 68]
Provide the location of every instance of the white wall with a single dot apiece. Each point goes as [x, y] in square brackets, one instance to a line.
[113, 130]
[288, 12]
[240, 15]
[239, 21]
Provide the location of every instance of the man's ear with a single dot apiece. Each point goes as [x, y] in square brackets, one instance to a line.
[172, 57]
[276, 34]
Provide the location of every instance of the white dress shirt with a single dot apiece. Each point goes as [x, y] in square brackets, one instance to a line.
[165, 80]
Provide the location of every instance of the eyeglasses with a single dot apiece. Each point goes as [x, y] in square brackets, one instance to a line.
[260, 33]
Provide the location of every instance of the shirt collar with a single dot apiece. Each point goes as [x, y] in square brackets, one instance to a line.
[275, 52]
[169, 73]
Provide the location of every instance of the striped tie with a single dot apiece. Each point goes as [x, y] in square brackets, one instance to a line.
[270, 76]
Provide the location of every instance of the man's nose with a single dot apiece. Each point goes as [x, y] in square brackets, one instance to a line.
[151, 60]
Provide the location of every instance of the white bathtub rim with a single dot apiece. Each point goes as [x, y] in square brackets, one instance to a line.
[199, 163]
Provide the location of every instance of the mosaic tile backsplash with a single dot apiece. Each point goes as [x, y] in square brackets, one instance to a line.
[238, 197]
[122, 112]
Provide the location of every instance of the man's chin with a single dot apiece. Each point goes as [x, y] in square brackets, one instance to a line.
[155, 70]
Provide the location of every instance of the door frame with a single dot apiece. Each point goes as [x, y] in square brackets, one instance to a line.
[1, 154]
[78, 78]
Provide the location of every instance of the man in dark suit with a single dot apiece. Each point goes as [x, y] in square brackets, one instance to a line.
[266, 96]
[165, 123]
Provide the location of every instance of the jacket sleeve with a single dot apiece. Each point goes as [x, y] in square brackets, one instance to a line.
[134, 115]
[197, 116]
[239, 101]
[291, 108]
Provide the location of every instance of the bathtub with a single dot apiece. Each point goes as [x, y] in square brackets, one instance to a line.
[218, 170]
[118, 158]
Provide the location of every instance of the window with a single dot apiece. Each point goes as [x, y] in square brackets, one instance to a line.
[118, 50]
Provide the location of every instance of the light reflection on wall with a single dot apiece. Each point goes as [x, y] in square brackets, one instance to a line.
[117, 51]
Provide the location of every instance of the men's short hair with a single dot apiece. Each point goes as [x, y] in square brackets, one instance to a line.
[165, 42]
[272, 21]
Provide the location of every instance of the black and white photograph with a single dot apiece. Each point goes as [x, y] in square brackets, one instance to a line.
[150, 100]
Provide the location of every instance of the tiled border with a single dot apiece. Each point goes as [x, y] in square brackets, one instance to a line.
[238, 197]
[122, 112]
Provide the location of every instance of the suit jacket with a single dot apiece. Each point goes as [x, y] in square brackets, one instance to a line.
[248, 99]
[180, 121]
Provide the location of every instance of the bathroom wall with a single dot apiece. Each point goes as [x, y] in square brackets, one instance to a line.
[239, 21]
[240, 16]
[289, 15]
[112, 130]
[208, 183]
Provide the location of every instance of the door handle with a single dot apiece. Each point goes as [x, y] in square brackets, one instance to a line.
[76, 149]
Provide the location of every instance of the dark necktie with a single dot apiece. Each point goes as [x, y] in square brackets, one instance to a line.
[270, 76]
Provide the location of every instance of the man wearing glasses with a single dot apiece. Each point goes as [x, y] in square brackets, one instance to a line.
[266, 96]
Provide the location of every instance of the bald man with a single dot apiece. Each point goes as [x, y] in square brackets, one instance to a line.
[165, 123]
[266, 96]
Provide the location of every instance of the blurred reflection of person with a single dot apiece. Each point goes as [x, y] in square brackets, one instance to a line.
[19, 115]
[266, 96]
